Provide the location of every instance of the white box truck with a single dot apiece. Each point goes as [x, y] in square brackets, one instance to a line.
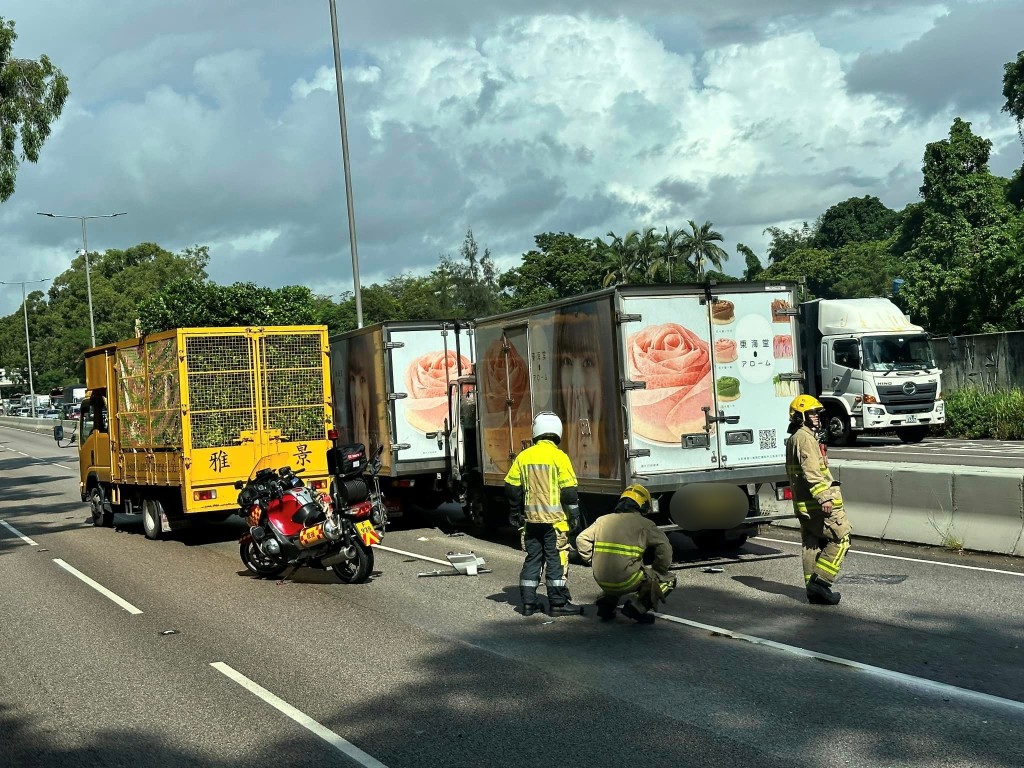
[682, 388]
[391, 383]
[872, 369]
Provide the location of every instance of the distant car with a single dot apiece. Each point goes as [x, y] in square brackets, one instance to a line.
[52, 413]
[25, 412]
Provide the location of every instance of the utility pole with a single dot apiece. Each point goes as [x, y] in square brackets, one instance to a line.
[28, 341]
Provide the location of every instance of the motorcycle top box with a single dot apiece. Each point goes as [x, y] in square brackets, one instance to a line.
[346, 460]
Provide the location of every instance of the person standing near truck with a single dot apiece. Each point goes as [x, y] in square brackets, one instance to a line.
[540, 488]
[817, 500]
[616, 544]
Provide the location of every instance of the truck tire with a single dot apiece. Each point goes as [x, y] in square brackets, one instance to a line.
[101, 518]
[151, 509]
[837, 426]
[912, 434]
[716, 542]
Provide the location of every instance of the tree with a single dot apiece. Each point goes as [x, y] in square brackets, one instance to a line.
[562, 265]
[32, 96]
[857, 220]
[616, 260]
[784, 242]
[470, 287]
[1013, 91]
[753, 268]
[955, 250]
[700, 247]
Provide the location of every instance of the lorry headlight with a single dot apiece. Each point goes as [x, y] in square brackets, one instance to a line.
[876, 411]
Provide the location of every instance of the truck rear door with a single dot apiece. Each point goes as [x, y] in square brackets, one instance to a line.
[754, 362]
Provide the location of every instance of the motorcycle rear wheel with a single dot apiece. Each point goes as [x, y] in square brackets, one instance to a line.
[357, 570]
[257, 563]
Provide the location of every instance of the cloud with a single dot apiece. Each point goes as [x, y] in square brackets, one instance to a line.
[957, 64]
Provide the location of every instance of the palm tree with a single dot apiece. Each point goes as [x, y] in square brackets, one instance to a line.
[616, 261]
[671, 244]
[700, 247]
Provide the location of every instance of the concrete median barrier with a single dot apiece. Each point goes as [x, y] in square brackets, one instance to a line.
[40, 426]
[989, 512]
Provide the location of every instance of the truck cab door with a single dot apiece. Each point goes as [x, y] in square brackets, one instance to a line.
[844, 379]
[99, 439]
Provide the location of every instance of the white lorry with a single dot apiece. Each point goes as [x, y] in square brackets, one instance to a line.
[872, 369]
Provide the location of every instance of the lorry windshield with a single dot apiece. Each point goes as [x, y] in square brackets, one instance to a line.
[888, 353]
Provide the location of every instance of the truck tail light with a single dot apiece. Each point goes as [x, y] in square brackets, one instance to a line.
[783, 493]
[204, 495]
[332, 434]
[406, 483]
[319, 484]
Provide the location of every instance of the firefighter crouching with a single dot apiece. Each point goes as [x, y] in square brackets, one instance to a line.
[541, 492]
[615, 546]
[817, 500]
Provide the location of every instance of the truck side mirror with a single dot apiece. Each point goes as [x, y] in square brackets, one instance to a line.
[58, 432]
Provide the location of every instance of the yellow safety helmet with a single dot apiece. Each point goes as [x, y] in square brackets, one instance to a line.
[801, 406]
[640, 495]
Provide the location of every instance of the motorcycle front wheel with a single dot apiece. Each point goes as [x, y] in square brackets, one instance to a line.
[258, 563]
[358, 569]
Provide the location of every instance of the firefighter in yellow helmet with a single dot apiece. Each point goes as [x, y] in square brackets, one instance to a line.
[817, 500]
[615, 545]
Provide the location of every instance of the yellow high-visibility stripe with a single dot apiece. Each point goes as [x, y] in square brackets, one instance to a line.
[632, 581]
[617, 549]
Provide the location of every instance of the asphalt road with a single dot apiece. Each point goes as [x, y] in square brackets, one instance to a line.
[967, 453]
[919, 665]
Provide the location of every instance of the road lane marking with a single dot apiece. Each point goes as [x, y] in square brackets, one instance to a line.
[98, 587]
[18, 533]
[881, 672]
[908, 559]
[412, 554]
[50, 462]
[345, 747]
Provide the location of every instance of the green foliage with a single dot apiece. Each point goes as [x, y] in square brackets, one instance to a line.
[785, 242]
[957, 251]
[753, 266]
[1013, 91]
[561, 265]
[973, 415]
[32, 96]
[856, 220]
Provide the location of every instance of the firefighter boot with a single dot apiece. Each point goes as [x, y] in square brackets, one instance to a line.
[819, 592]
[635, 614]
[564, 609]
[606, 607]
[530, 608]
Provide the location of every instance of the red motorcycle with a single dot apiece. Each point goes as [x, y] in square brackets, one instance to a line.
[291, 525]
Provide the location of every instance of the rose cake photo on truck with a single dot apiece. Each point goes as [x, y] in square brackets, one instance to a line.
[725, 351]
[675, 364]
[426, 382]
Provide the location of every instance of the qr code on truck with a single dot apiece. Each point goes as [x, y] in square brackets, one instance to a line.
[768, 439]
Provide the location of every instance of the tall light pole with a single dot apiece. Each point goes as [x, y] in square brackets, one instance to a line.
[348, 172]
[28, 342]
[85, 250]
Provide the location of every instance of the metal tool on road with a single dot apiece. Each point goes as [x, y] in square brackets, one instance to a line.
[463, 563]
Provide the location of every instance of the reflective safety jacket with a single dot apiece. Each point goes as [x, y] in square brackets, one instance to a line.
[809, 475]
[542, 472]
[615, 545]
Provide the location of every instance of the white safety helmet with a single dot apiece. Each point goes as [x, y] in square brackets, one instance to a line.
[547, 423]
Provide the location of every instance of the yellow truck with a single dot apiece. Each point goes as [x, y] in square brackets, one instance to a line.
[170, 421]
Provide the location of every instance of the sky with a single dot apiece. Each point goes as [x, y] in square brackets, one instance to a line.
[216, 123]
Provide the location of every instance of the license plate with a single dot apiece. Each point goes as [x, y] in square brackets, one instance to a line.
[910, 420]
[367, 533]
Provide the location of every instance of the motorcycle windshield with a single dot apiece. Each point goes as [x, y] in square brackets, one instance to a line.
[271, 461]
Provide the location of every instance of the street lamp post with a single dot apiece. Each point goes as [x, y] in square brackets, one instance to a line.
[348, 172]
[85, 251]
[28, 342]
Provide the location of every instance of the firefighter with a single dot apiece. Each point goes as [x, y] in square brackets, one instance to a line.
[616, 545]
[543, 501]
[817, 500]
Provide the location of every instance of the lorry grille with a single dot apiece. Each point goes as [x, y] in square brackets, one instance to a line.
[293, 385]
[896, 395]
[220, 383]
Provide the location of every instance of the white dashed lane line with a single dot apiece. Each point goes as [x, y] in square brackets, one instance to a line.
[98, 587]
[18, 533]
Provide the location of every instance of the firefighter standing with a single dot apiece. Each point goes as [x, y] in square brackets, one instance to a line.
[616, 545]
[817, 500]
[538, 487]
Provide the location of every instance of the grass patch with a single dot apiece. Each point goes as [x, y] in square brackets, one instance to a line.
[974, 415]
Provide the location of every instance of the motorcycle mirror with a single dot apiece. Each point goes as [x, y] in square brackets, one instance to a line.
[239, 485]
[58, 432]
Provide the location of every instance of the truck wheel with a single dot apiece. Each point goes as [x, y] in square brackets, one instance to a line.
[151, 509]
[837, 425]
[912, 434]
[101, 518]
[716, 543]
